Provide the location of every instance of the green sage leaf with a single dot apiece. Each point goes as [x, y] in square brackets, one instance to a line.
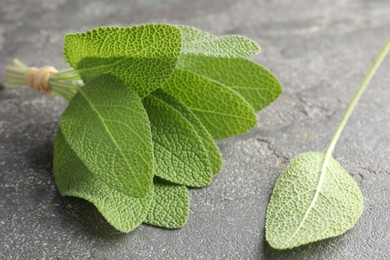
[180, 156]
[212, 149]
[73, 178]
[107, 127]
[143, 56]
[254, 83]
[170, 205]
[195, 41]
[309, 204]
[221, 110]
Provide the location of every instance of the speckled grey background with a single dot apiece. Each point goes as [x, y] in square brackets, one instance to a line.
[320, 51]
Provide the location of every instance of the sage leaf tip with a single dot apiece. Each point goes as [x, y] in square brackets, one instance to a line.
[73, 178]
[170, 206]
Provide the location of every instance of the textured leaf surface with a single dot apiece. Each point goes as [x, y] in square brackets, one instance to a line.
[221, 110]
[170, 205]
[108, 128]
[73, 178]
[212, 150]
[141, 56]
[307, 206]
[254, 83]
[180, 156]
[196, 42]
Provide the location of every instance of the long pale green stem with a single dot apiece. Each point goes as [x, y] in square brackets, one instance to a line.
[355, 99]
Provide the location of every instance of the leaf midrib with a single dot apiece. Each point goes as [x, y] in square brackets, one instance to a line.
[89, 102]
[137, 54]
[220, 85]
[119, 60]
[233, 87]
[324, 167]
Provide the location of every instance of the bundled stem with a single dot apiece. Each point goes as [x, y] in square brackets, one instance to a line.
[62, 83]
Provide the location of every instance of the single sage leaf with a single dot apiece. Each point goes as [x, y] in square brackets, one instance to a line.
[195, 41]
[254, 83]
[108, 128]
[309, 204]
[212, 150]
[143, 56]
[315, 198]
[170, 205]
[73, 178]
[180, 156]
[221, 110]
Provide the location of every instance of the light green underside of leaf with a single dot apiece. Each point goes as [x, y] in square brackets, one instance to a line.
[74, 179]
[254, 83]
[212, 150]
[108, 128]
[297, 216]
[180, 156]
[143, 57]
[170, 206]
[196, 42]
[221, 110]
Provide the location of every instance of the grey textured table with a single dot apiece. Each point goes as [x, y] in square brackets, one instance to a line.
[319, 51]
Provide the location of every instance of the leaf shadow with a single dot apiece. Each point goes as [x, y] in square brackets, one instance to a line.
[83, 215]
[35, 147]
[308, 251]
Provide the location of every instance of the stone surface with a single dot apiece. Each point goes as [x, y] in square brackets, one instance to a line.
[319, 51]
